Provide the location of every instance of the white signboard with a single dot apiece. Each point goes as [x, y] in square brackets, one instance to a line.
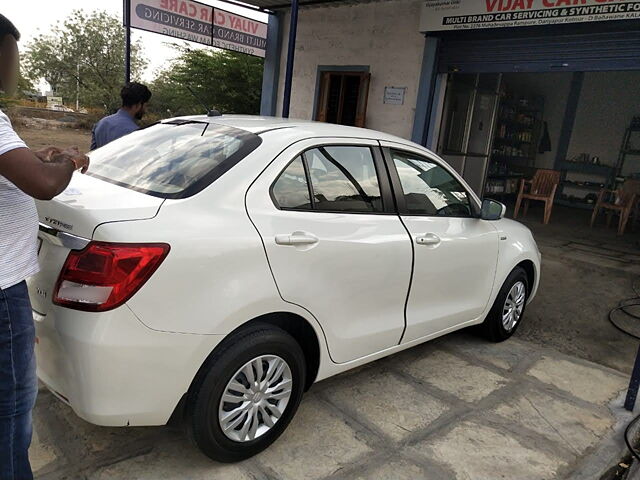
[469, 14]
[394, 95]
[51, 101]
[200, 23]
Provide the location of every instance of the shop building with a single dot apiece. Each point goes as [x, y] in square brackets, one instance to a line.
[498, 88]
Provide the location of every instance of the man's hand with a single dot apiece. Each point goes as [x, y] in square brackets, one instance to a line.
[80, 161]
[38, 178]
[46, 153]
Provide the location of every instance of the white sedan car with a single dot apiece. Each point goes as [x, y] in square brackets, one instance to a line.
[219, 266]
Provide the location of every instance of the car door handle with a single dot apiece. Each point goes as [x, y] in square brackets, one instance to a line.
[428, 239]
[296, 238]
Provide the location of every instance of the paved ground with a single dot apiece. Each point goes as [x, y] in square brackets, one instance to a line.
[454, 408]
[585, 273]
[457, 408]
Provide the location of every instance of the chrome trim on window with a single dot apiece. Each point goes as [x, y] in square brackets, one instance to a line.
[63, 239]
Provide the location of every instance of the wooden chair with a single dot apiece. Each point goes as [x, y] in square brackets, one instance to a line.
[542, 187]
[622, 201]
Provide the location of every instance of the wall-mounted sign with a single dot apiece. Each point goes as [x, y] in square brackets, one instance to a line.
[200, 23]
[394, 95]
[470, 14]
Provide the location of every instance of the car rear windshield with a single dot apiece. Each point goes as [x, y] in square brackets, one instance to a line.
[172, 159]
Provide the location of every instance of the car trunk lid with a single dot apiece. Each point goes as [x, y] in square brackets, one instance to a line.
[68, 223]
[88, 202]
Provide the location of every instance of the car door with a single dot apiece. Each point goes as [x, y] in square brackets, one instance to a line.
[325, 212]
[455, 251]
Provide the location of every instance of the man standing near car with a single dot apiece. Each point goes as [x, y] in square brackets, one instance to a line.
[24, 175]
[135, 97]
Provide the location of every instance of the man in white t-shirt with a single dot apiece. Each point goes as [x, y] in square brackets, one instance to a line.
[24, 175]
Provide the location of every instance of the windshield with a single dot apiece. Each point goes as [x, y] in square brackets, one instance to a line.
[172, 160]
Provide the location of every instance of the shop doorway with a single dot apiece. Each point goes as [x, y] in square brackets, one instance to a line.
[498, 129]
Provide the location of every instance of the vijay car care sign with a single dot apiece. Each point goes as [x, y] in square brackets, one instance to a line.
[197, 22]
[469, 14]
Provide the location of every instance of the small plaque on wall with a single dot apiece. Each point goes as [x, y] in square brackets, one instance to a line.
[394, 95]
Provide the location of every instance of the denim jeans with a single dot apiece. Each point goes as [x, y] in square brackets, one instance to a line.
[18, 383]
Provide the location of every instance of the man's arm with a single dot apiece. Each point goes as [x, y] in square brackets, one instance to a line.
[38, 179]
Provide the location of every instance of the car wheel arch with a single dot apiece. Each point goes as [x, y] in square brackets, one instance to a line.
[295, 325]
[529, 267]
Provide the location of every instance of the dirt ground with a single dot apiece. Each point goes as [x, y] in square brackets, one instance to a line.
[37, 138]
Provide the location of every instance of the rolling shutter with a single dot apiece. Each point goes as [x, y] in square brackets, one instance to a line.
[551, 53]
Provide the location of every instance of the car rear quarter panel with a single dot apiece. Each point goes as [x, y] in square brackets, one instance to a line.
[216, 276]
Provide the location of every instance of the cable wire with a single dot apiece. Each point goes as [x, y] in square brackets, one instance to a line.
[623, 306]
[626, 437]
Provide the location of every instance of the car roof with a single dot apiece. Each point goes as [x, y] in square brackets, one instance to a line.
[306, 128]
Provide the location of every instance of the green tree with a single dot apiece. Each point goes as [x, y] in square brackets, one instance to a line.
[85, 54]
[228, 81]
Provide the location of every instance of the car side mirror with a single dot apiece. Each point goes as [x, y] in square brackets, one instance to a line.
[492, 210]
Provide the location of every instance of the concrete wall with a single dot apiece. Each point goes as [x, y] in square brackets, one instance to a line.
[391, 46]
[554, 88]
[608, 102]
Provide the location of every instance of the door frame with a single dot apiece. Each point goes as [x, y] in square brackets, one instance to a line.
[333, 68]
[396, 185]
[389, 201]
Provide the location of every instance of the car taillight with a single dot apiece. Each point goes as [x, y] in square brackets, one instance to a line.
[103, 276]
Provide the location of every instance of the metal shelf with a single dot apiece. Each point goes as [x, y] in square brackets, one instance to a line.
[579, 185]
[505, 177]
[602, 170]
[510, 157]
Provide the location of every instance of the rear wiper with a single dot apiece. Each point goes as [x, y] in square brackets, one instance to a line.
[184, 122]
[190, 122]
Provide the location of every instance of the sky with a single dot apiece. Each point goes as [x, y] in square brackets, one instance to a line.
[33, 17]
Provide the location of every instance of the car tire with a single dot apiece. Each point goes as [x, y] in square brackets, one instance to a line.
[507, 311]
[264, 408]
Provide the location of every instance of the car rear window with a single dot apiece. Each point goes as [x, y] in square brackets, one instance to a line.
[172, 159]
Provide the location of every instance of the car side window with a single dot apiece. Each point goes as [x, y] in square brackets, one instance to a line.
[429, 189]
[344, 179]
[291, 190]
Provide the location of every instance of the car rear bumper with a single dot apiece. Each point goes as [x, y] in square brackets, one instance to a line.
[114, 371]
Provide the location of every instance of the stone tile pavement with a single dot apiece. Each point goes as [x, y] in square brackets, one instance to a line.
[455, 408]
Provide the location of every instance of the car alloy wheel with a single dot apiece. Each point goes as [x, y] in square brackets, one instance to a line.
[509, 307]
[246, 393]
[255, 398]
[514, 305]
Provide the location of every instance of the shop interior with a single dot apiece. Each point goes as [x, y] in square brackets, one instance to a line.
[573, 137]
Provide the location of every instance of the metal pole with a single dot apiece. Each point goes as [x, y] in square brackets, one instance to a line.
[293, 29]
[77, 86]
[127, 41]
[634, 383]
